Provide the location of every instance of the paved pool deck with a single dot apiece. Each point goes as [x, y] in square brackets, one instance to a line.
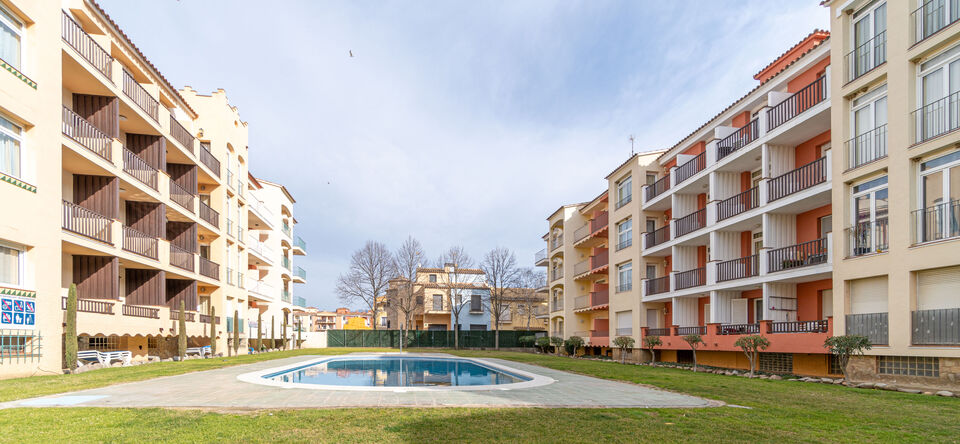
[221, 390]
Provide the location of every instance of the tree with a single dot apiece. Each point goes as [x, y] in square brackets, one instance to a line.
[456, 263]
[694, 341]
[236, 332]
[259, 331]
[573, 344]
[70, 331]
[651, 343]
[406, 299]
[543, 343]
[844, 347]
[283, 333]
[273, 335]
[557, 342]
[529, 281]
[182, 333]
[368, 276]
[751, 346]
[499, 267]
[623, 343]
[213, 331]
[299, 329]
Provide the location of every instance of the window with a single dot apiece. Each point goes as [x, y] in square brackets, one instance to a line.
[908, 365]
[10, 139]
[651, 271]
[869, 42]
[755, 177]
[825, 225]
[11, 32]
[940, 195]
[937, 289]
[438, 302]
[651, 178]
[776, 362]
[757, 241]
[625, 234]
[625, 277]
[869, 215]
[433, 278]
[869, 117]
[11, 265]
[99, 343]
[624, 191]
[475, 303]
[758, 310]
[651, 225]
[937, 91]
[478, 327]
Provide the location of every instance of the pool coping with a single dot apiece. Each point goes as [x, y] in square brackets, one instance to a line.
[257, 377]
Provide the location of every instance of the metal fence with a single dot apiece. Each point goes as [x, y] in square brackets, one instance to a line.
[875, 326]
[936, 327]
[426, 338]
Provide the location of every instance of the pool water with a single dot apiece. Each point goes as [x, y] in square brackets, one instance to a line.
[396, 372]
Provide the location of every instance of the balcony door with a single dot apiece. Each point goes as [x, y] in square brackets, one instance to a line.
[653, 318]
[869, 127]
[938, 85]
[870, 210]
[868, 44]
[940, 194]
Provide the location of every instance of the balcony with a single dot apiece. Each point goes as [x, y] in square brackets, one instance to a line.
[784, 337]
[798, 256]
[866, 57]
[207, 158]
[140, 96]
[739, 329]
[932, 16]
[209, 215]
[684, 331]
[557, 242]
[209, 268]
[593, 229]
[540, 258]
[868, 238]
[255, 246]
[656, 285]
[691, 167]
[188, 316]
[87, 135]
[557, 305]
[690, 223]
[595, 264]
[139, 169]
[807, 176]
[79, 40]
[875, 326]
[79, 220]
[91, 305]
[261, 289]
[657, 332]
[867, 147]
[181, 258]
[299, 246]
[625, 331]
[557, 274]
[657, 188]
[596, 300]
[181, 196]
[738, 268]
[286, 229]
[937, 118]
[141, 312]
[738, 204]
[935, 327]
[299, 274]
[139, 243]
[690, 278]
[818, 326]
[181, 135]
[285, 261]
[739, 139]
[258, 209]
[796, 104]
[657, 237]
[229, 178]
[941, 221]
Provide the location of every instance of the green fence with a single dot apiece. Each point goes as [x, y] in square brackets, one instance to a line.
[424, 338]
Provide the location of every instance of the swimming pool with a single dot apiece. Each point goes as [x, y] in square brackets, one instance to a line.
[396, 372]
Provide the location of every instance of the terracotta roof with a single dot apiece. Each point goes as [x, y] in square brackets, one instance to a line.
[819, 34]
[441, 285]
[140, 53]
[736, 102]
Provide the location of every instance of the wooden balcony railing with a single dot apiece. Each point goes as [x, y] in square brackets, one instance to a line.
[188, 316]
[739, 329]
[84, 133]
[796, 104]
[657, 285]
[79, 220]
[691, 167]
[139, 243]
[941, 221]
[78, 39]
[209, 268]
[181, 258]
[691, 222]
[867, 147]
[657, 237]
[658, 331]
[180, 134]
[141, 312]
[683, 331]
[206, 319]
[867, 56]
[181, 196]
[690, 278]
[739, 139]
[657, 188]
[140, 96]
[818, 326]
[738, 204]
[738, 268]
[139, 169]
[796, 256]
[209, 214]
[90, 306]
[813, 173]
[207, 158]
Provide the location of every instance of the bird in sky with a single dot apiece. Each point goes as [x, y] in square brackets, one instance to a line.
[351, 53]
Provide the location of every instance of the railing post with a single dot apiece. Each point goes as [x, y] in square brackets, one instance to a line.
[763, 258]
[826, 87]
[830, 248]
[762, 121]
[711, 156]
[673, 177]
[711, 272]
[828, 169]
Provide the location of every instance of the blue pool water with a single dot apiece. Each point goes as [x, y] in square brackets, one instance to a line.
[396, 372]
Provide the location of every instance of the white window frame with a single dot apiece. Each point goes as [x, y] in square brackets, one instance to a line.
[21, 262]
[869, 14]
[19, 138]
[871, 195]
[625, 269]
[17, 27]
[944, 182]
[624, 234]
[625, 188]
[949, 55]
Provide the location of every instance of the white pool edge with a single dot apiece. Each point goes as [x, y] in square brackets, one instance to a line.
[257, 377]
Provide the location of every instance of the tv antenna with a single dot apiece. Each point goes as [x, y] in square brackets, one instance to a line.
[631, 145]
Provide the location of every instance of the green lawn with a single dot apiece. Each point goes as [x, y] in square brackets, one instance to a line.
[780, 411]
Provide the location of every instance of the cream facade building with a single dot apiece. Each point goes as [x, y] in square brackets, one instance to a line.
[118, 182]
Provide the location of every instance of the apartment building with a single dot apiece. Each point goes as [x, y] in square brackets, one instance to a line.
[122, 184]
[523, 309]
[438, 291]
[897, 187]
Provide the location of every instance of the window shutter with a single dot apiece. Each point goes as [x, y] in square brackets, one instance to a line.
[938, 288]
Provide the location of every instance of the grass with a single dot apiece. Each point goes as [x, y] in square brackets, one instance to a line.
[779, 411]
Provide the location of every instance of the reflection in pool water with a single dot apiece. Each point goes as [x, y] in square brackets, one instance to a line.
[396, 372]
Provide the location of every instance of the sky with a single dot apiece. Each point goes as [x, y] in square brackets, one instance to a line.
[457, 122]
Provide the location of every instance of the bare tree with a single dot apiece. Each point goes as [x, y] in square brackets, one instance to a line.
[371, 268]
[408, 258]
[529, 281]
[500, 269]
[456, 263]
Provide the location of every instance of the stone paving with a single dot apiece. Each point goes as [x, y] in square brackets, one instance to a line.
[220, 389]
